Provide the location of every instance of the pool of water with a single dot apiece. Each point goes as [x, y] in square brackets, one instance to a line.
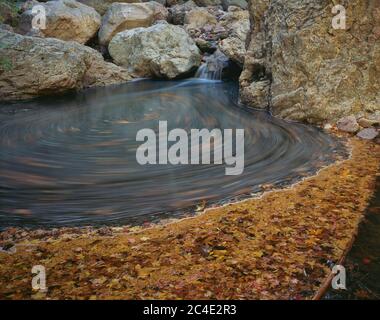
[71, 160]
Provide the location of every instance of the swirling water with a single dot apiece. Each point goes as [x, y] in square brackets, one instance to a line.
[71, 160]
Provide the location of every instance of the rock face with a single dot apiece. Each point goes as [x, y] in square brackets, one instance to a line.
[314, 72]
[237, 24]
[33, 66]
[66, 20]
[101, 6]
[123, 16]
[161, 50]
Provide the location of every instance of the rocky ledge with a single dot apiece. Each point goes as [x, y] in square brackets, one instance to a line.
[301, 68]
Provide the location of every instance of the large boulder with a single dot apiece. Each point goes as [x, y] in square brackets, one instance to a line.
[31, 67]
[162, 50]
[124, 16]
[66, 20]
[101, 6]
[236, 22]
[315, 73]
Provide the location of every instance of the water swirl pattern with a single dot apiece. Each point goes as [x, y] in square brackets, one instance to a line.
[71, 160]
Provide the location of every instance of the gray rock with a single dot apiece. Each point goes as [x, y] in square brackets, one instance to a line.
[162, 50]
[368, 133]
[348, 124]
[236, 3]
[170, 3]
[162, 2]
[66, 20]
[31, 67]
[5, 27]
[178, 12]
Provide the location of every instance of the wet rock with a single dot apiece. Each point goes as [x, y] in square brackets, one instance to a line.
[368, 133]
[329, 73]
[348, 124]
[178, 12]
[124, 16]
[42, 66]
[67, 20]
[162, 50]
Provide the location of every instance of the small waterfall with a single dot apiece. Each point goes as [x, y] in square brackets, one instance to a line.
[213, 66]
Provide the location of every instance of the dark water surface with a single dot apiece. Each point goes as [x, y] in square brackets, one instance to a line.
[71, 160]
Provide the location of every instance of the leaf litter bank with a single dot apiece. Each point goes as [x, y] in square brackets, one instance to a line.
[279, 246]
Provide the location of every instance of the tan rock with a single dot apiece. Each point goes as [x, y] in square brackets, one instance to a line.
[367, 123]
[124, 16]
[33, 67]
[237, 24]
[198, 18]
[65, 19]
[317, 73]
[162, 50]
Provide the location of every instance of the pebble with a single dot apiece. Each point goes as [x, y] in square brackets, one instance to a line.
[368, 134]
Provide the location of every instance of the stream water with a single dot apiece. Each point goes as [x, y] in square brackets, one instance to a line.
[71, 160]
